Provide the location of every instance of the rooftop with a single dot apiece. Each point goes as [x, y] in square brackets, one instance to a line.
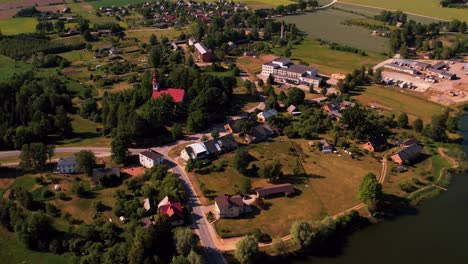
[177, 95]
[286, 188]
[151, 154]
[67, 161]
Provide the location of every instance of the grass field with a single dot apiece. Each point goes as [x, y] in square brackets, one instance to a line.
[13, 26]
[8, 67]
[86, 134]
[257, 4]
[399, 101]
[332, 61]
[330, 187]
[15, 252]
[326, 24]
[145, 33]
[421, 7]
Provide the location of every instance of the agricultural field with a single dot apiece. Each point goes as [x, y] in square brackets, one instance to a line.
[258, 4]
[327, 25]
[13, 26]
[330, 186]
[430, 8]
[396, 101]
[332, 61]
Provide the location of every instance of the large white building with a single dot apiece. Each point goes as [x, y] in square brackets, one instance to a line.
[149, 158]
[284, 70]
[66, 165]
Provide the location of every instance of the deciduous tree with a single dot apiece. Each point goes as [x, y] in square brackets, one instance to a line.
[246, 249]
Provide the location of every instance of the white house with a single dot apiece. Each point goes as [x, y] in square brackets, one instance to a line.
[263, 116]
[149, 158]
[228, 206]
[194, 151]
[66, 165]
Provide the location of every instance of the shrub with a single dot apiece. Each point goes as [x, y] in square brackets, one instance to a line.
[46, 193]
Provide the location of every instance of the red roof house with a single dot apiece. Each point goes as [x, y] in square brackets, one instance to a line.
[173, 210]
[178, 95]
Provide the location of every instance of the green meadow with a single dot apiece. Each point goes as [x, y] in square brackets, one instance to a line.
[12, 26]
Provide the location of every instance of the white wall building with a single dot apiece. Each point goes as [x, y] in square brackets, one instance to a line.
[67, 165]
[149, 158]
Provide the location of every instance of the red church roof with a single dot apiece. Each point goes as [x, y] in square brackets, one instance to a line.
[177, 94]
[170, 209]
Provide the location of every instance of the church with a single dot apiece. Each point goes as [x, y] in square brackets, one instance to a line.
[178, 95]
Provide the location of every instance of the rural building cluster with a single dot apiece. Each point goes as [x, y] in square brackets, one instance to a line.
[285, 71]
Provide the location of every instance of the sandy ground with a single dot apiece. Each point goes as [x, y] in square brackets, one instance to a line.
[52, 8]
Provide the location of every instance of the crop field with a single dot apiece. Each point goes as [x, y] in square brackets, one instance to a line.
[12, 26]
[430, 8]
[399, 101]
[326, 24]
[332, 61]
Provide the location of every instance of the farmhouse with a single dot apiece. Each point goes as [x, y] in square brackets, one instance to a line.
[211, 147]
[149, 158]
[258, 133]
[376, 143]
[407, 154]
[204, 54]
[174, 211]
[286, 189]
[178, 95]
[263, 116]
[283, 70]
[229, 206]
[326, 146]
[66, 165]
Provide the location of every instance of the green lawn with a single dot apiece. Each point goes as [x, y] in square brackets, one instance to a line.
[257, 4]
[399, 101]
[86, 134]
[327, 25]
[332, 61]
[15, 252]
[13, 26]
[421, 7]
[8, 67]
[145, 33]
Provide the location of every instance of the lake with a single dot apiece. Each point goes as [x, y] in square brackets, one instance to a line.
[437, 234]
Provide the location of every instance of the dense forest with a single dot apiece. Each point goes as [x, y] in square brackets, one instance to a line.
[33, 108]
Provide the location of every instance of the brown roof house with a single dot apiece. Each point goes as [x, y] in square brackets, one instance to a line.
[407, 153]
[286, 189]
[229, 206]
[376, 143]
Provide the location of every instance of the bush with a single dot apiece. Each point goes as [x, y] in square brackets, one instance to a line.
[407, 187]
[46, 193]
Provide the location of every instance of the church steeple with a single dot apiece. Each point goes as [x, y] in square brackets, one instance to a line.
[155, 82]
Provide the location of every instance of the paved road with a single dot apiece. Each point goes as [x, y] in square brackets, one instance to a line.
[199, 221]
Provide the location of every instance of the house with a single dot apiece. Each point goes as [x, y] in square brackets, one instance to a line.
[228, 206]
[149, 158]
[334, 106]
[174, 211]
[334, 115]
[284, 70]
[258, 133]
[149, 205]
[286, 189]
[376, 143]
[98, 173]
[210, 147]
[326, 146]
[66, 165]
[346, 104]
[407, 154]
[227, 143]
[194, 151]
[292, 110]
[263, 116]
[204, 54]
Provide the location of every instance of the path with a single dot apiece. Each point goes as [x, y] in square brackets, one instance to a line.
[327, 5]
[388, 9]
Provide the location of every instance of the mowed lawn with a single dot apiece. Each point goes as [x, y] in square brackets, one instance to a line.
[9, 66]
[86, 135]
[330, 187]
[332, 61]
[327, 25]
[13, 251]
[430, 8]
[145, 33]
[13, 26]
[399, 101]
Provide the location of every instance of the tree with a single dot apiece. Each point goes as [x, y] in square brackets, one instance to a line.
[215, 134]
[272, 171]
[153, 40]
[36, 231]
[241, 160]
[50, 150]
[418, 125]
[85, 161]
[179, 260]
[195, 258]
[295, 97]
[246, 249]
[155, 56]
[177, 132]
[245, 186]
[377, 75]
[403, 120]
[370, 190]
[184, 240]
[119, 145]
[33, 156]
[302, 233]
[280, 248]
[59, 26]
